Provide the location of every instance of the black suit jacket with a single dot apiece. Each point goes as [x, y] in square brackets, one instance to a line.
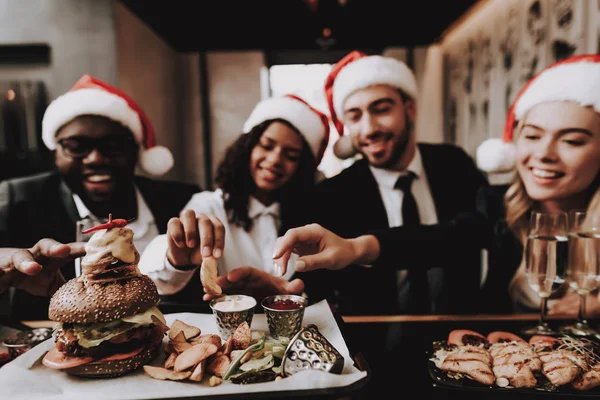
[350, 204]
[42, 206]
[485, 228]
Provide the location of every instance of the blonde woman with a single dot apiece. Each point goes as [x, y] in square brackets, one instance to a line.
[555, 123]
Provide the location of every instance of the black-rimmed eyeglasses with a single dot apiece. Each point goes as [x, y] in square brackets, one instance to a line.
[109, 146]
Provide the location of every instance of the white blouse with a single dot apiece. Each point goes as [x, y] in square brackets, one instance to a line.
[254, 248]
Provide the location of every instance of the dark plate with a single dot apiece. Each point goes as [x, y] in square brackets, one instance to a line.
[442, 380]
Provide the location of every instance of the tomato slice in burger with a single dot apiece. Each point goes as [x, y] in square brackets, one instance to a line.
[543, 341]
[501, 336]
[59, 360]
[122, 356]
[462, 337]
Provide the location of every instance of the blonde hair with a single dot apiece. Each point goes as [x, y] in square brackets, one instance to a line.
[518, 206]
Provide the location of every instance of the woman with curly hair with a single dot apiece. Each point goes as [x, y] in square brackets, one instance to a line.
[555, 121]
[261, 184]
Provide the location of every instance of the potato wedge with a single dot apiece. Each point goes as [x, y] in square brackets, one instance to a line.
[209, 271]
[242, 336]
[219, 365]
[166, 374]
[180, 337]
[194, 355]
[198, 372]
[180, 347]
[228, 346]
[208, 338]
[169, 349]
[189, 331]
[170, 361]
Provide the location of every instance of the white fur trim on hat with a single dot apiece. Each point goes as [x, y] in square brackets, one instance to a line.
[156, 160]
[495, 155]
[563, 83]
[369, 71]
[296, 113]
[88, 102]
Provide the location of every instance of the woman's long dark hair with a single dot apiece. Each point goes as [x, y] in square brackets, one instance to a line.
[234, 179]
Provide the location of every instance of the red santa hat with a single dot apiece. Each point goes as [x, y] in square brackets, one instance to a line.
[312, 124]
[91, 96]
[357, 71]
[574, 79]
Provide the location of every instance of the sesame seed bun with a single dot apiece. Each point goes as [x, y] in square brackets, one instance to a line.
[76, 302]
[112, 369]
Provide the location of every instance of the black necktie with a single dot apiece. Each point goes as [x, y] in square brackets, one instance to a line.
[419, 291]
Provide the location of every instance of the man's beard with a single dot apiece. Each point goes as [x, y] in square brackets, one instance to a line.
[399, 148]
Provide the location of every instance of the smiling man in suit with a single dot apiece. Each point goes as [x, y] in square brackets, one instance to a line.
[98, 135]
[398, 181]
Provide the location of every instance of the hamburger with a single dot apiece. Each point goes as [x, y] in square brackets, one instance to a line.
[108, 320]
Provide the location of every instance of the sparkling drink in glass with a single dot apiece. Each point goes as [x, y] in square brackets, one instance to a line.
[546, 261]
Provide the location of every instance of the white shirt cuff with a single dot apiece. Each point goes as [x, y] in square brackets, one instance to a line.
[154, 263]
[171, 268]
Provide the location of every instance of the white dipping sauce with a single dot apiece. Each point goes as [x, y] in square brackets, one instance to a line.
[235, 304]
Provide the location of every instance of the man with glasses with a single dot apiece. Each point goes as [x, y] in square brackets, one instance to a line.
[98, 135]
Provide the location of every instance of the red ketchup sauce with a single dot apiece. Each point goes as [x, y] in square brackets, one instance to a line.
[286, 304]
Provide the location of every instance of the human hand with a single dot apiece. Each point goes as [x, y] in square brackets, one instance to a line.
[192, 237]
[256, 283]
[568, 305]
[320, 248]
[37, 270]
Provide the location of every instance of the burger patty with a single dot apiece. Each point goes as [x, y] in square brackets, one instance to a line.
[115, 273]
[68, 343]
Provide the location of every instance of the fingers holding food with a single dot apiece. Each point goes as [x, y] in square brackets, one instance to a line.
[218, 236]
[190, 228]
[206, 231]
[176, 233]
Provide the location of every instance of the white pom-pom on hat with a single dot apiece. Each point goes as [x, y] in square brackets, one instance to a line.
[495, 155]
[156, 160]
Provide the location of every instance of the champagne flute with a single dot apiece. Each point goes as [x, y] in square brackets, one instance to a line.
[583, 273]
[546, 261]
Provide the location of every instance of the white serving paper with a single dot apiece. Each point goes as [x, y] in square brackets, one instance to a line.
[26, 377]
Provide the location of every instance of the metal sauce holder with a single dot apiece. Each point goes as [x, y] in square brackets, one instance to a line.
[309, 349]
[21, 342]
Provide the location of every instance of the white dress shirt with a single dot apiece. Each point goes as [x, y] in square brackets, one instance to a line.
[392, 201]
[392, 197]
[253, 248]
[144, 227]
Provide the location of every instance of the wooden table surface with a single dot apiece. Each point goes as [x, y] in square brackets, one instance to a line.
[369, 319]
